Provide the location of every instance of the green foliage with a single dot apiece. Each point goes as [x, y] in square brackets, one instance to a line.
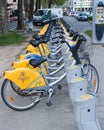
[58, 2]
[12, 38]
[89, 33]
[90, 18]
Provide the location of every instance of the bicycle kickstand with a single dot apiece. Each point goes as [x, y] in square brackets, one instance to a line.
[50, 92]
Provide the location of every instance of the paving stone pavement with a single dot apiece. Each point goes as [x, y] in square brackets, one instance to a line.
[9, 54]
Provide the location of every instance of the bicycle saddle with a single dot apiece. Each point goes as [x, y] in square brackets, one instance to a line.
[35, 43]
[45, 40]
[36, 62]
[33, 56]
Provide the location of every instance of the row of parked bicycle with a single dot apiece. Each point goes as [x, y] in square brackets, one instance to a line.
[35, 75]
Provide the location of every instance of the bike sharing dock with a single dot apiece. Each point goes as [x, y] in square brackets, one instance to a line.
[82, 104]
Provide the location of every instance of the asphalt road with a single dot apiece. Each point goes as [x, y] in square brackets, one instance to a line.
[60, 115]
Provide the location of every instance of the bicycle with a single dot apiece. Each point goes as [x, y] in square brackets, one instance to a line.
[30, 86]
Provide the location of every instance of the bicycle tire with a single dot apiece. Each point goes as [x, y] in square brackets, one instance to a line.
[91, 73]
[15, 101]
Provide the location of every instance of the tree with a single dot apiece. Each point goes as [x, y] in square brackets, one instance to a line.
[49, 4]
[58, 2]
[31, 10]
[3, 16]
[26, 5]
[38, 5]
[20, 15]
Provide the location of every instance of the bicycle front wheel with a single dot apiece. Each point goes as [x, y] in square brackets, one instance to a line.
[17, 100]
[90, 72]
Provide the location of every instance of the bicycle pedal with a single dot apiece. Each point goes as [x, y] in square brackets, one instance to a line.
[59, 87]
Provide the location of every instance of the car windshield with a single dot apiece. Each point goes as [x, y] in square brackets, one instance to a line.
[40, 12]
[82, 14]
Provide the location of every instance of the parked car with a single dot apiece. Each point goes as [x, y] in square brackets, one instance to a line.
[65, 13]
[43, 16]
[15, 14]
[82, 17]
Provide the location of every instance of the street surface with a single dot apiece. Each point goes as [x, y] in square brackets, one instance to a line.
[60, 115]
[79, 26]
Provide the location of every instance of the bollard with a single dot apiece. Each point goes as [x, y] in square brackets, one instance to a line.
[69, 62]
[77, 87]
[67, 55]
[64, 47]
[73, 72]
[85, 112]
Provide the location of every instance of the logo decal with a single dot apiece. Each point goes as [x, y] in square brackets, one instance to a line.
[23, 77]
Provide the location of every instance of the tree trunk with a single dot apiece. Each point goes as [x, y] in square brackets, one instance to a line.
[38, 5]
[49, 4]
[26, 5]
[46, 3]
[31, 9]
[3, 16]
[21, 25]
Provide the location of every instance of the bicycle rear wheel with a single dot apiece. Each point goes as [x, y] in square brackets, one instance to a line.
[90, 72]
[17, 100]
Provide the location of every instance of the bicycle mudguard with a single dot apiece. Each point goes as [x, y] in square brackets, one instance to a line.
[32, 49]
[35, 50]
[44, 49]
[44, 29]
[24, 63]
[25, 78]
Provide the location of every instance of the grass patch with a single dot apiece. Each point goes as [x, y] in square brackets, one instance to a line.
[12, 38]
[89, 33]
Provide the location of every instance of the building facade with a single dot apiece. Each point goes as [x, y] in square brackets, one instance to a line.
[78, 5]
[12, 4]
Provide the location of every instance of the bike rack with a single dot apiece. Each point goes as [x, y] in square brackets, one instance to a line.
[85, 112]
[77, 88]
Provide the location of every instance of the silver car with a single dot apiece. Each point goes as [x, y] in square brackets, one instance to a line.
[82, 17]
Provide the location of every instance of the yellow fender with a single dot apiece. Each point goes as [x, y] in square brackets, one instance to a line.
[35, 50]
[24, 63]
[46, 49]
[25, 78]
[42, 47]
[43, 30]
[32, 49]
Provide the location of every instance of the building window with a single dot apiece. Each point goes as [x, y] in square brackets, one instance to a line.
[14, 0]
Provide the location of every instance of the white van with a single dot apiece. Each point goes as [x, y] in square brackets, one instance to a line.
[45, 15]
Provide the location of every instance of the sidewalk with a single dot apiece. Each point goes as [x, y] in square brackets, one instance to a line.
[8, 54]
